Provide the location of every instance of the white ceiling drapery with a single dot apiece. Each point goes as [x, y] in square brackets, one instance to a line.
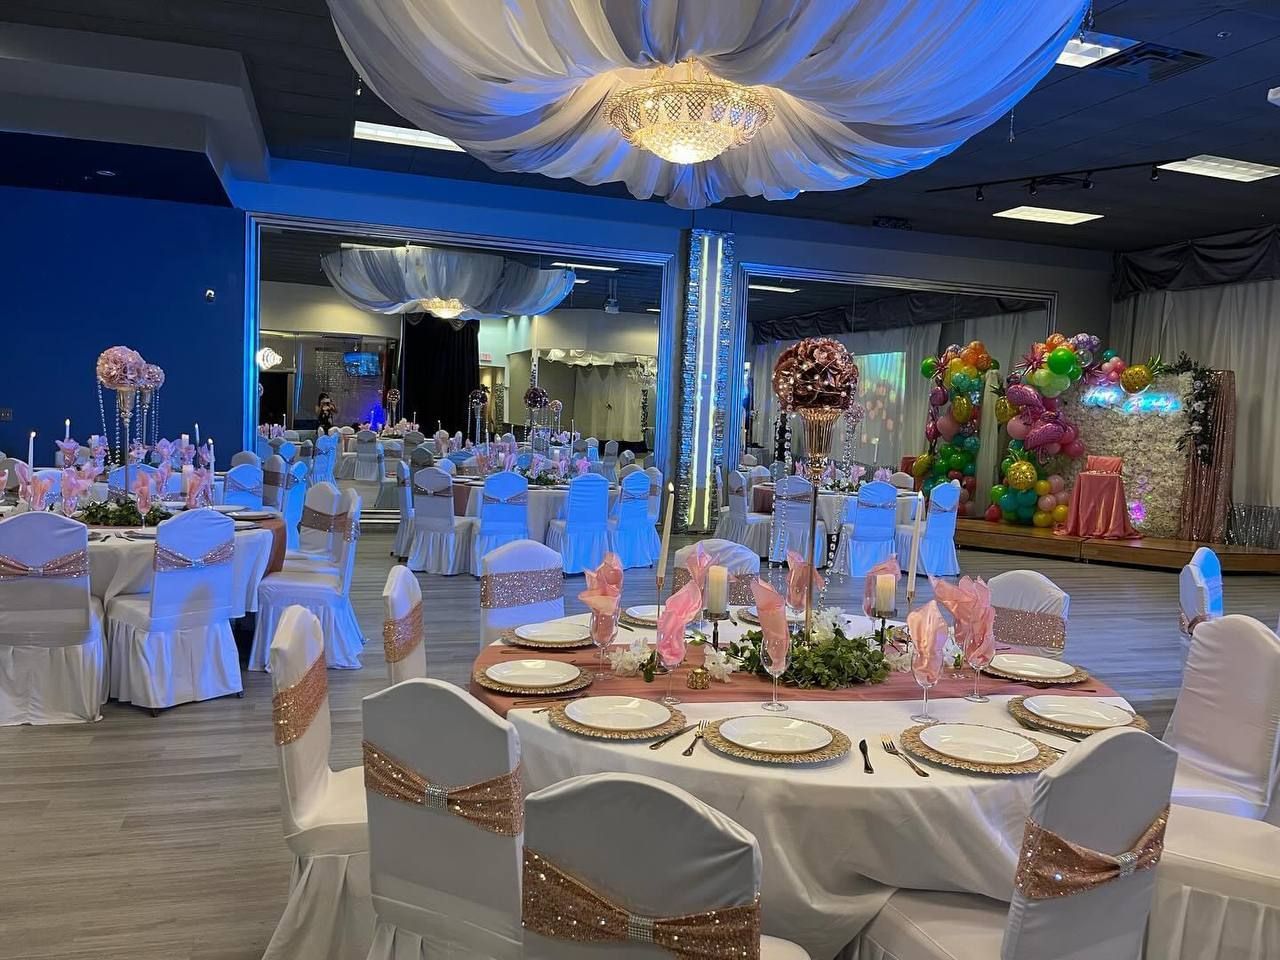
[862, 90]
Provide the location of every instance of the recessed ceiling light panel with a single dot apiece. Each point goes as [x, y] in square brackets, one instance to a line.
[1224, 168]
[1089, 48]
[584, 266]
[770, 288]
[1047, 215]
[406, 136]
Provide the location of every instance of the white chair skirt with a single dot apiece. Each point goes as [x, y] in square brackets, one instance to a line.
[785, 540]
[369, 471]
[346, 469]
[919, 925]
[329, 915]
[855, 557]
[388, 494]
[584, 549]
[162, 668]
[447, 553]
[937, 554]
[66, 683]
[752, 531]
[404, 537]
[319, 593]
[458, 929]
[636, 545]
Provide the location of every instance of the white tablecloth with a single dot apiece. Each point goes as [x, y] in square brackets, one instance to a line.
[98, 492]
[545, 504]
[832, 506]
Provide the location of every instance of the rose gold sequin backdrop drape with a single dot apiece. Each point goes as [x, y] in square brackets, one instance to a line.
[1208, 485]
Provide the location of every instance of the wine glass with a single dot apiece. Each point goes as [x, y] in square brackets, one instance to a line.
[670, 662]
[927, 670]
[978, 656]
[604, 628]
[775, 667]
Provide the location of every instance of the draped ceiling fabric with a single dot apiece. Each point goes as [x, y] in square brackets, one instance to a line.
[396, 279]
[865, 90]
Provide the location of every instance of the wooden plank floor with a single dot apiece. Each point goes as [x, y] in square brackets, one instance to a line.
[145, 838]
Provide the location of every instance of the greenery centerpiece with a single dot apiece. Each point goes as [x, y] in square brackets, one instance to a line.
[543, 478]
[827, 657]
[123, 513]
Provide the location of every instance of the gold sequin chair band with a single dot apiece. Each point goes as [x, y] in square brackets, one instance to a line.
[793, 497]
[401, 637]
[293, 708]
[66, 567]
[230, 483]
[514, 500]
[933, 507]
[424, 492]
[272, 478]
[1026, 628]
[521, 587]
[167, 559]
[495, 805]
[1049, 866]
[331, 523]
[1188, 627]
[558, 905]
[628, 496]
[891, 505]
[740, 594]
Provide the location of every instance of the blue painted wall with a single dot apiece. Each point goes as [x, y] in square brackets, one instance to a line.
[79, 273]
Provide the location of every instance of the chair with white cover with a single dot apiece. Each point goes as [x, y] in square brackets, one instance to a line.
[288, 450]
[326, 593]
[756, 474]
[115, 477]
[937, 556]
[710, 875]
[655, 493]
[1109, 798]
[611, 449]
[902, 481]
[369, 457]
[629, 469]
[739, 524]
[1200, 590]
[404, 504]
[245, 456]
[867, 533]
[445, 875]
[242, 486]
[504, 514]
[319, 540]
[423, 455]
[325, 459]
[635, 540]
[1031, 611]
[412, 438]
[1226, 722]
[273, 472]
[792, 508]
[53, 664]
[748, 461]
[174, 644]
[445, 464]
[521, 582]
[328, 915]
[742, 564]
[442, 542]
[402, 630]
[582, 535]
[293, 501]
[292, 435]
[345, 467]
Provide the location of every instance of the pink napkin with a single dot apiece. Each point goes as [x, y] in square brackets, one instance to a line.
[206, 454]
[799, 572]
[696, 563]
[164, 449]
[37, 490]
[603, 593]
[199, 491]
[70, 450]
[23, 470]
[537, 464]
[509, 461]
[583, 467]
[773, 620]
[142, 487]
[562, 468]
[888, 565]
[187, 452]
[682, 607]
[162, 476]
[856, 472]
[969, 603]
[928, 640]
[884, 474]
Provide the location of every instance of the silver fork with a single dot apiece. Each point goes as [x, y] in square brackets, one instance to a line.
[702, 728]
[891, 748]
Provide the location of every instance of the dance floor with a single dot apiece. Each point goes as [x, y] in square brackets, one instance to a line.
[160, 839]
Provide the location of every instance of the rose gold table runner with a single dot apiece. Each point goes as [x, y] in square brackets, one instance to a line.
[761, 499]
[279, 544]
[741, 687]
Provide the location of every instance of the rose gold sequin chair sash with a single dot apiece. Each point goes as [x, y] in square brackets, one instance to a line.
[424, 492]
[495, 805]
[293, 708]
[521, 587]
[1188, 627]
[401, 637]
[933, 508]
[555, 904]
[167, 559]
[1025, 628]
[231, 483]
[891, 505]
[627, 495]
[66, 567]
[331, 523]
[273, 478]
[739, 586]
[514, 500]
[793, 497]
[1049, 866]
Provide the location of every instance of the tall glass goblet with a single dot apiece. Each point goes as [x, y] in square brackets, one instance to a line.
[977, 655]
[927, 670]
[604, 628]
[775, 664]
[670, 661]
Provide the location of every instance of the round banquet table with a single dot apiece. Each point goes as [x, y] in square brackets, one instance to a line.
[835, 841]
[545, 504]
[831, 505]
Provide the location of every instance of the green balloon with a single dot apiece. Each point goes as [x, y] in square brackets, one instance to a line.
[995, 364]
[1009, 516]
[1005, 464]
[959, 384]
[928, 367]
[1061, 358]
[1076, 372]
[998, 491]
[1009, 501]
[972, 444]
[1108, 354]
[940, 467]
[1026, 513]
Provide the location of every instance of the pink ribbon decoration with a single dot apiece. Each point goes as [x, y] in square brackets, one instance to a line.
[603, 594]
[888, 565]
[680, 608]
[537, 464]
[773, 620]
[583, 467]
[164, 449]
[142, 487]
[187, 452]
[696, 563]
[969, 603]
[799, 572]
[884, 474]
[509, 461]
[928, 640]
[23, 471]
[162, 476]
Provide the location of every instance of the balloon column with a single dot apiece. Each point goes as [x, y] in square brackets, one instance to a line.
[955, 412]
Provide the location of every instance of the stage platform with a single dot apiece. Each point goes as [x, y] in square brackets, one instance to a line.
[1154, 552]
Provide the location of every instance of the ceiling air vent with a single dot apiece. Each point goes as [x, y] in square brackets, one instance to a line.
[891, 223]
[1151, 62]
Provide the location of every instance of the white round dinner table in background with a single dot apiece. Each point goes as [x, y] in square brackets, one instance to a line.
[545, 504]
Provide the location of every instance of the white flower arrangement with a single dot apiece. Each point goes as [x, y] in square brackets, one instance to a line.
[719, 664]
[626, 663]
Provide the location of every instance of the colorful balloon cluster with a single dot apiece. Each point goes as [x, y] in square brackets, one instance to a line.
[955, 412]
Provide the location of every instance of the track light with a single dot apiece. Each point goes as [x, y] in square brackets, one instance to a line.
[1032, 188]
[978, 196]
[1088, 181]
[1155, 173]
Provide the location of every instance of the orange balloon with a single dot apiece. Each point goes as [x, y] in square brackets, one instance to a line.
[969, 356]
[1055, 340]
[984, 363]
[976, 345]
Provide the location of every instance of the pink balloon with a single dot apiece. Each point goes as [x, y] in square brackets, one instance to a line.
[1056, 483]
[1074, 450]
[931, 430]
[1051, 449]
[1069, 432]
[964, 495]
[1063, 498]
[1047, 502]
[947, 426]
[1021, 395]
[938, 396]
[1118, 365]
[1018, 429]
[1113, 376]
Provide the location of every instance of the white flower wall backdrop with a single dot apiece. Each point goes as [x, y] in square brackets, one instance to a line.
[1144, 431]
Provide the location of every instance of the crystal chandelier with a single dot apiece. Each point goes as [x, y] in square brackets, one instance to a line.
[444, 309]
[685, 115]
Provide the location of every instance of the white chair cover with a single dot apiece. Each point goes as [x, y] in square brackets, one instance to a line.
[1103, 795]
[504, 514]
[756, 474]
[747, 460]
[610, 448]
[937, 535]
[329, 915]
[442, 886]
[902, 481]
[582, 535]
[404, 504]
[1200, 589]
[293, 499]
[869, 538]
[245, 456]
[1226, 723]
[629, 469]
[447, 465]
[537, 570]
[369, 456]
[403, 641]
[739, 524]
[412, 438]
[742, 563]
[325, 458]
[702, 859]
[442, 543]
[242, 486]
[1032, 592]
[318, 543]
[326, 594]
[53, 665]
[655, 493]
[792, 506]
[288, 450]
[273, 482]
[174, 645]
[635, 540]
[292, 435]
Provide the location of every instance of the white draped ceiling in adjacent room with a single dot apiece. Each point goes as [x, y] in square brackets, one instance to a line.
[865, 90]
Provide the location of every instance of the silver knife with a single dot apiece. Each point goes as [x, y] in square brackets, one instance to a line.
[670, 736]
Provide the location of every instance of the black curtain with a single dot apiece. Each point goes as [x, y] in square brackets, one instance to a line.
[1244, 256]
[899, 310]
[441, 367]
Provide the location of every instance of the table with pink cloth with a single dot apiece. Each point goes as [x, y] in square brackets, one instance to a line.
[1098, 508]
[835, 842]
[545, 504]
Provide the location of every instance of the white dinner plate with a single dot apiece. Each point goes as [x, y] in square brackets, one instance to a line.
[775, 734]
[245, 525]
[1079, 711]
[554, 631]
[1033, 668]
[646, 612]
[226, 507]
[617, 713]
[140, 534]
[965, 741]
[256, 514]
[793, 615]
[532, 673]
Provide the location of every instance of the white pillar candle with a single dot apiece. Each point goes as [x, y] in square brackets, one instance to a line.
[717, 600]
[666, 535]
[197, 434]
[186, 437]
[31, 449]
[884, 592]
[67, 432]
[915, 550]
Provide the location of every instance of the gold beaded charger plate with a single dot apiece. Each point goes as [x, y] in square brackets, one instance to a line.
[1019, 711]
[565, 634]
[581, 682]
[559, 717]
[838, 747]
[1072, 676]
[749, 615]
[912, 744]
